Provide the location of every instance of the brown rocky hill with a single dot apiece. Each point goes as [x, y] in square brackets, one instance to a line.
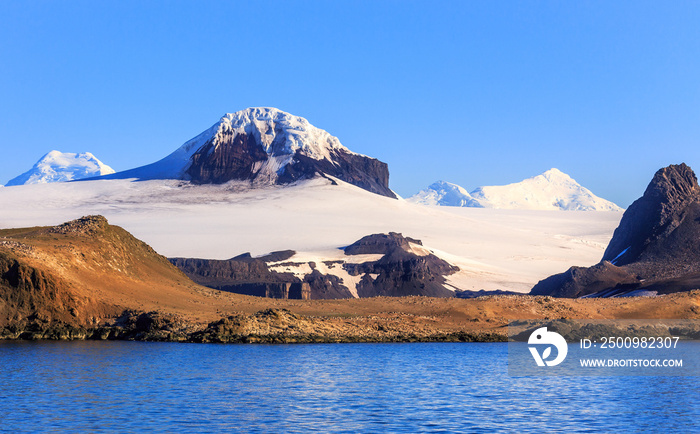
[86, 270]
[655, 249]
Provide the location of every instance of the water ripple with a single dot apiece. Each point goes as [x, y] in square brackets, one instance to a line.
[161, 387]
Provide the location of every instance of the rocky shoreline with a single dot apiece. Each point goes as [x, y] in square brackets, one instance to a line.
[269, 326]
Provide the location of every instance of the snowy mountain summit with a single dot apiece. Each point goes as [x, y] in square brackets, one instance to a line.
[445, 194]
[266, 146]
[62, 166]
[552, 190]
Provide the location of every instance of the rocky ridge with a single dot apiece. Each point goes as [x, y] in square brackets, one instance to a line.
[405, 268]
[654, 250]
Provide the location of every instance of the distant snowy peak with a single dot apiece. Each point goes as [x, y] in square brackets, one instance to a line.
[552, 190]
[62, 166]
[445, 194]
[267, 146]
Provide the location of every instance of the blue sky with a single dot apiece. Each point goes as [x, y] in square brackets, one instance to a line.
[475, 93]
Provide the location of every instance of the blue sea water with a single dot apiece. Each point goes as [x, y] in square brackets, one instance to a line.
[440, 387]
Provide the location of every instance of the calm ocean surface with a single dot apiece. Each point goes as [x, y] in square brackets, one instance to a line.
[163, 387]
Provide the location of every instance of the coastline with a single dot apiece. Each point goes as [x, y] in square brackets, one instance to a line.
[374, 320]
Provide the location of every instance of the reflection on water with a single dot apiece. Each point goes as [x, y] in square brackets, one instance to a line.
[129, 386]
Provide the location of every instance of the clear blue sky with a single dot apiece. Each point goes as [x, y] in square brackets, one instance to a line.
[475, 93]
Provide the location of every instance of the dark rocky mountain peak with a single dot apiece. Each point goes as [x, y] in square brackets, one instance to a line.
[266, 146]
[654, 250]
[654, 216]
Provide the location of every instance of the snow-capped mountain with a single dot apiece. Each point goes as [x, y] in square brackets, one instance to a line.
[62, 166]
[445, 194]
[266, 146]
[552, 190]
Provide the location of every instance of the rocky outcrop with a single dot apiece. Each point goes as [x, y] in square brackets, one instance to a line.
[233, 157]
[219, 273]
[239, 157]
[670, 200]
[367, 173]
[29, 295]
[381, 244]
[654, 250]
[403, 270]
[580, 281]
[283, 290]
[245, 275]
[252, 276]
[58, 282]
[482, 293]
[268, 326]
[87, 225]
[326, 286]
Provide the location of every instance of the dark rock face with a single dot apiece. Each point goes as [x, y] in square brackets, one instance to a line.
[380, 244]
[251, 276]
[400, 272]
[281, 255]
[29, 293]
[245, 275]
[367, 173]
[580, 281]
[294, 290]
[483, 293]
[218, 273]
[235, 157]
[326, 286]
[655, 248]
[265, 146]
[656, 215]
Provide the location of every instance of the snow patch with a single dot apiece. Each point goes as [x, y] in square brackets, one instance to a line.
[326, 262]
